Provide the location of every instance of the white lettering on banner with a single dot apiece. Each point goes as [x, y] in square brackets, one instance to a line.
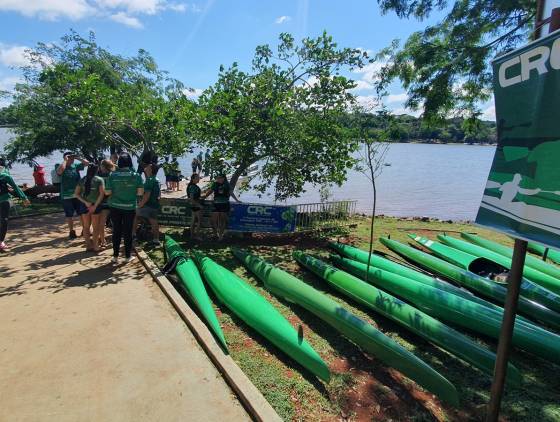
[173, 209]
[534, 59]
[259, 210]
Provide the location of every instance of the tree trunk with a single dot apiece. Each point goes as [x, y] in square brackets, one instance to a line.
[372, 223]
[237, 174]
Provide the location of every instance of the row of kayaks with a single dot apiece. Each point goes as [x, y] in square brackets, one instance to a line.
[414, 299]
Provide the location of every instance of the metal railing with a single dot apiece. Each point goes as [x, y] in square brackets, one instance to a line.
[320, 215]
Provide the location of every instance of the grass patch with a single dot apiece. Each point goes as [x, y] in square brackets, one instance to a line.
[36, 207]
[362, 388]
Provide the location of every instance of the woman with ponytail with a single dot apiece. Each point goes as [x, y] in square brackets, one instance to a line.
[91, 191]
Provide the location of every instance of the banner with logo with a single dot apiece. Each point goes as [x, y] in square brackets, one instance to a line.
[522, 195]
[262, 218]
[242, 217]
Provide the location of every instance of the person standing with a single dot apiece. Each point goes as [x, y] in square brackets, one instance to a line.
[39, 175]
[194, 165]
[105, 169]
[221, 190]
[167, 172]
[176, 171]
[7, 182]
[69, 172]
[90, 191]
[193, 194]
[207, 164]
[148, 207]
[199, 158]
[124, 185]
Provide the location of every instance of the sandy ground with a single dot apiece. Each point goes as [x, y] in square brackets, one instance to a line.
[82, 340]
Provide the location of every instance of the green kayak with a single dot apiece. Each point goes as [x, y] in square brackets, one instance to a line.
[553, 254]
[455, 310]
[245, 302]
[359, 331]
[544, 280]
[394, 267]
[472, 281]
[487, 269]
[531, 262]
[192, 283]
[406, 315]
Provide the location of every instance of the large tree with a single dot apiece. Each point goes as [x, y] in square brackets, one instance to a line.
[80, 97]
[445, 68]
[285, 113]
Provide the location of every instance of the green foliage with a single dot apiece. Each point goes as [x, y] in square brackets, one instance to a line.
[286, 114]
[7, 117]
[78, 96]
[445, 68]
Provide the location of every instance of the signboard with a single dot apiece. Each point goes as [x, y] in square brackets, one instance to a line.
[242, 217]
[522, 195]
[262, 218]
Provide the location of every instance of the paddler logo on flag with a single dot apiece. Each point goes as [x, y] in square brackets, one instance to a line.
[522, 195]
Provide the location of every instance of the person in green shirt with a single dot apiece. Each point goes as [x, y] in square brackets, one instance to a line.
[148, 207]
[91, 191]
[69, 172]
[194, 195]
[105, 169]
[123, 187]
[221, 190]
[7, 187]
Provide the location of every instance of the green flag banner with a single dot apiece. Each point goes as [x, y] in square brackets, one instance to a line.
[522, 195]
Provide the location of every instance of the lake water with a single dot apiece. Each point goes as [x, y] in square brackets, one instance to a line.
[441, 181]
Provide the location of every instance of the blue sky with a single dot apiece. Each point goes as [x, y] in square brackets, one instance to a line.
[192, 39]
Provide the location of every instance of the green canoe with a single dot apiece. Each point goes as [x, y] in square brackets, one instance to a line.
[531, 262]
[487, 268]
[406, 315]
[394, 267]
[192, 283]
[472, 281]
[359, 331]
[542, 279]
[538, 249]
[455, 310]
[245, 302]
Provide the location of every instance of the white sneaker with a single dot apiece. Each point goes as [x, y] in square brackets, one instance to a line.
[115, 260]
[129, 259]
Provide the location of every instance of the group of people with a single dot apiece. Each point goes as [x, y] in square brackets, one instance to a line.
[172, 174]
[112, 192]
[108, 190]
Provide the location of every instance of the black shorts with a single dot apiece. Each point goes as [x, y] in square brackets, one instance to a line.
[221, 207]
[101, 207]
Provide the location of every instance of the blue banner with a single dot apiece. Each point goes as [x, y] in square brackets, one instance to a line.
[262, 218]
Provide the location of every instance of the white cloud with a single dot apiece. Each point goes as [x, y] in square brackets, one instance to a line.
[7, 83]
[193, 92]
[489, 113]
[369, 72]
[282, 19]
[362, 85]
[14, 55]
[402, 110]
[127, 20]
[49, 9]
[121, 11]
[396, 98]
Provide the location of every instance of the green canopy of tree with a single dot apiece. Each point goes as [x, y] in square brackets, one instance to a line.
[286, 113]
[445, 68]
[79, 97]
[406, 128]
[7, 117]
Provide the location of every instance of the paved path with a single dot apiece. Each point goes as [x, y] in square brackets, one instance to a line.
[83, 341]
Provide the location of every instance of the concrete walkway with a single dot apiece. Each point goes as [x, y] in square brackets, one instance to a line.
[82, 340]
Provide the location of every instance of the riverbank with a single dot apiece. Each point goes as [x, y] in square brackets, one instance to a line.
[362, 388]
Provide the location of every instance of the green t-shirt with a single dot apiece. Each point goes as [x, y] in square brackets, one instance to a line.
[5, 181]
[96, 182]
[123, 184]
[69, 180]
[193, 193]
[152, 185]
[221, 192]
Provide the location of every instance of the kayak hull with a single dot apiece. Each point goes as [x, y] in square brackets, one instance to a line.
[453, 309]
[359, 331]
[194, 287]
[245, 302]
[406, 315]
